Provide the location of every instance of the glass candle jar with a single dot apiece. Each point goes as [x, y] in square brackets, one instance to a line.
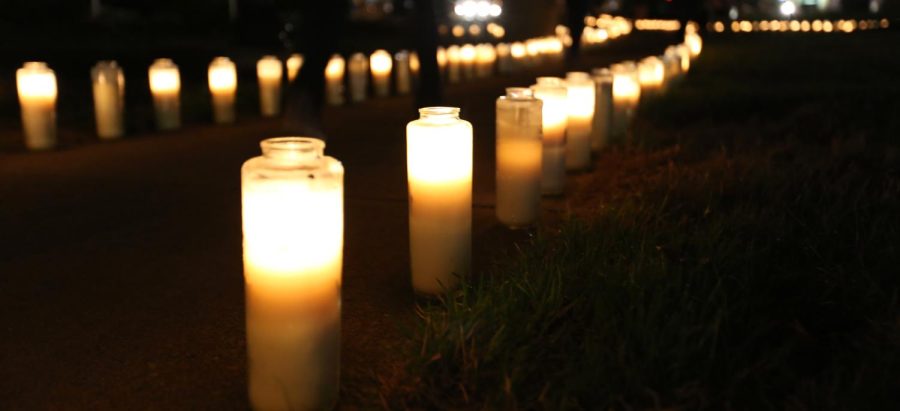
[293, 225]
[109, 99]
[439, 172]
[381, 64]
[358, 67]
[269, 74]
[222, 77]
[36, 85]
[294, 63]
[626, 94]
[334, 80]
[519, 158]
[467, 57]
[651, 74]
[402, 67]
[581, 118]
[165, 84]
[453, 64]
[600, 131]
[555, 117]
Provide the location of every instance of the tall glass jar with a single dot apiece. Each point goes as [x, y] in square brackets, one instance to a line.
[581, 118]
[439, 172]
[222, 78]
[519, 157]
[165, 84]
[269, 73]
[603, 80]
[293, 225]
[555, 117]
[36, 85]
[334, 80]
[109, 99]
[402, 67]
[358, 67]
[626, 95]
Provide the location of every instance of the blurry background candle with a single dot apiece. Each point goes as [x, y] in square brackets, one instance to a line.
[439, 169]
[109, 99]
[581, 101]
[467, 56]
[222, 86]
[293, 225]
[554, 116]
[334, 80]
[269, 73]
[414, 63]
[358, 72]
[486, 56]
[603, 81]
[442, 60]
[504, 59]
[402, 69]
[294, 64]
[651, 74]
[519, 158]
[519, 53]
[626, 94]
[453, 64]
[36, 85]
[165, 84]
[381, 63]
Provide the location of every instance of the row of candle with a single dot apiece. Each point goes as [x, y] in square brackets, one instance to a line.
[823, 26]
[293, 208]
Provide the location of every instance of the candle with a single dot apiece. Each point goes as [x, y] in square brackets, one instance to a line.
[685, 54]
[402, 63]
[294, 64]
[555, 117]
[165, 84]
[358, 68]
[109, 99]
[414, 63]
[453, 69]
[439, 171]
[381, 64]
[334, 80]
[626, 94]
[269, 74]
[293, 225]
[486, 56]
[694, 43]
[36, 85]
[504, 58]
[222, 76]
[519, 158]
[467, 55]
[519, 54]
[600, 131]
[672, 63]
[441, 57]
[650, 75]
[581, 101]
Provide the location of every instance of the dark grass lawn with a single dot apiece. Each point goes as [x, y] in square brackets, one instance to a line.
[740, 253]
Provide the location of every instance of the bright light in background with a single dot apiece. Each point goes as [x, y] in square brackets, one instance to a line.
[477, 9]
[788, 8]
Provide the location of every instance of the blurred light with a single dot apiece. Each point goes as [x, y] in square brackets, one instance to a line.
[458, 31]
[719, 27]
[787, 8]
[474, 30]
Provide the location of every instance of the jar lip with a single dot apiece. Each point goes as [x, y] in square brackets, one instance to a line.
[439, 111]
[519, 93]
[298, 145]
[578, 75]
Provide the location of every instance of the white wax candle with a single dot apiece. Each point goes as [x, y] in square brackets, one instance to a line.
[109, 99]
[294, 64]
[519, 53]
[519, 158]
[555, 118]
[402, 64]
[504, 59]
[626, 94]
[651, 74]
[581, 118]
[486, 56]
[165, 84]
[381, 64]
[453, 69]
[269, 73]
[441, 56]
[603, 109]
[358, 68]
[334, 81]
[293, 247]
[439, 171]
[222, 78]
[36, 85]
[467, 56]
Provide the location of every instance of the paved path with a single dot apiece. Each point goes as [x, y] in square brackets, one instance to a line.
[120, 263]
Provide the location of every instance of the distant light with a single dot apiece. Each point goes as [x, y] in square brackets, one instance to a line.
[788, 8]
[496, 10]
[733, 13]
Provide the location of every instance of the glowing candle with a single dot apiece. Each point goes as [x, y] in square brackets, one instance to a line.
[519, 53]
[334, 80]
[293, 224]
[453, 69]
[651, 74]
[222, 76]
[672, 63]
[684, 53]
[269, 74]
[36, 85]
[694, 43]
[414, 63]
[519, 158]
[165, 84]
[439, 169]
[109, 99]
[467, 55]
[402, 63]
[504, 58]
[581, 101]
[358, 68]
[381, 64]
[600, 131]
[486, 56]
[294, 64]
[555, 117]
[441, 56]
[626, 94]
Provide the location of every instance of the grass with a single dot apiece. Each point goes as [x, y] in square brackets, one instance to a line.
[742, 254]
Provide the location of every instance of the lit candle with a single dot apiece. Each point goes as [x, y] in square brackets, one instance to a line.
[504, 59]
[684, 53]
[293, 225]
[467, 55]
[439, 169]
[651, 74]
[36, 85]
[381, 64]
[334, 80]
[555, 117]
[519, 158]
[519, 53]
[165, 84]
[269, 74]
[695, 43]
[402, 63]
[486, 57]
[222, 77]
[358, 68]
[294, 64]
[600, 131]
[414, 63]
[581, 118]
[626, 94]
[109, 99]
[672, 63]
[441, 56]
[453, 69]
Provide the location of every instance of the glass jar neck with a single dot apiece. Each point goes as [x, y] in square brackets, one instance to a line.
[439, 113]
[299, 151]
[519, 93]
